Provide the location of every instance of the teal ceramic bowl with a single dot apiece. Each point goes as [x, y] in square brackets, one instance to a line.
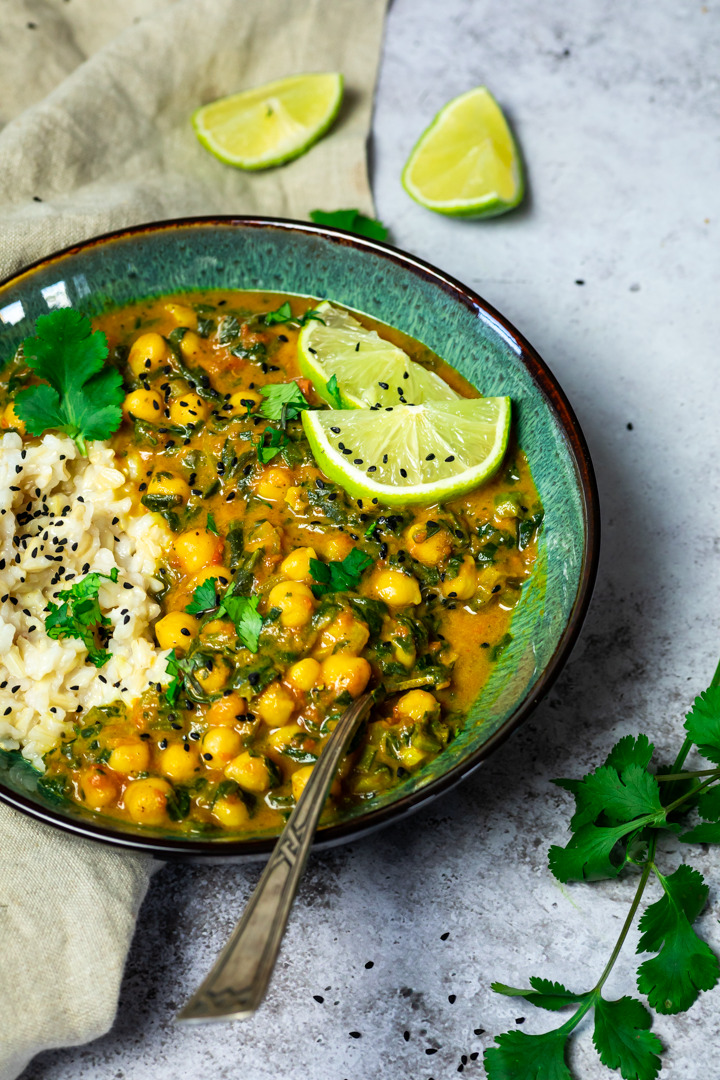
[398, 289]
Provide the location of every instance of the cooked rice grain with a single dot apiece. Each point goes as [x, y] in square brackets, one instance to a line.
[63, 516]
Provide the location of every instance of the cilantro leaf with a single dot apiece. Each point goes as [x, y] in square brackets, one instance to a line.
[703, 723]
[587, 855]
[211, 526]
[337, 576]
[276, 442]
[708, 831]
[518, 1056]
[332, 388]
[544, 994]
[243, 610]
[283, 401]
[623, 1040]
[173, 668]
[81, 399]
[282, 315]
[352, 221]
[79, 615]
[685, 965]
[204, 598]
[619, 796]
[630, 751]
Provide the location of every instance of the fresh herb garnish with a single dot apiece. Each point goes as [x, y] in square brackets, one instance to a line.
[79, 615]
[173, 668]
[623, 810]
[78, 397]
[211, 526]
[243, 610]
[283, 401]
[352, 220]
[334, 391]
[272, 442]
[338, 576]
[284, 314]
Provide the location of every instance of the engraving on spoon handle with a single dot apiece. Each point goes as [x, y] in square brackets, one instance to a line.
[237, 983]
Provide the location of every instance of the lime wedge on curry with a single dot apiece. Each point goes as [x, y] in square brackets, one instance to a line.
[369, 370]
[271, 124]
[411, 454]
[466, 164]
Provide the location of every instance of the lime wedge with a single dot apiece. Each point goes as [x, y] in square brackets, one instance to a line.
[466, 163]
[271, 124]
[369, 370]
[418, 454]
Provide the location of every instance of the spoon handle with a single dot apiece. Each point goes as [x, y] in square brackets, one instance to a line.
[238, 982]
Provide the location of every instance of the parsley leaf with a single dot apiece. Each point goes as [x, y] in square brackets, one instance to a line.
[78, 397]
[703, 723]
[518, 1056]
[79, 615]
[283, 401]
[685, 965]
[204, 598]
[333, 390]
[337, 576]
[211, 526]
[352, 221]
[243, 610]
[623, 1040]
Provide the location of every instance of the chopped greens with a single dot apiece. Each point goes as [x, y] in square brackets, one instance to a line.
[283, 401]
[338, 576]
[210, 525]
[79, 616]
[332, 388]
[242, 610]
[284, 315]
[77, 397]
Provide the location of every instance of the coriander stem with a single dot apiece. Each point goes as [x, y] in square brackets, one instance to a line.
[690, 795]
[687, 775]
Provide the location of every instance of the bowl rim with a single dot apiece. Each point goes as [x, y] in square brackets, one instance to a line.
[219, 850]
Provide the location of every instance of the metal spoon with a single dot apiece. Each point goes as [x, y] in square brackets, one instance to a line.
[240, 977]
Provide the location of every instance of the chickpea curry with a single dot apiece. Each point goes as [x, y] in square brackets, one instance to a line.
[283, 598]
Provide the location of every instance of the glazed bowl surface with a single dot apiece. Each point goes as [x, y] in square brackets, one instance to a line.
[281, 256]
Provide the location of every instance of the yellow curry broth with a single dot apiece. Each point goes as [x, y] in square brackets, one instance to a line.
[232, 750]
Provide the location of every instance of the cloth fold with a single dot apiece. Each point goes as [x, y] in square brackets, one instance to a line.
[95, 100]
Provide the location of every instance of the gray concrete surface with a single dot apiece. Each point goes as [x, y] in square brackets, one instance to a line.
[612, 270]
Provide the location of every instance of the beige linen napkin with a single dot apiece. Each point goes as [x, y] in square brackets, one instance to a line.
[95, 97]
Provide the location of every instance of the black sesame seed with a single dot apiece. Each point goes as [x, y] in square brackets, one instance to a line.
[185, 632]
[254, 678]
[384, 385]
[403, 473]
[207, 757]
[406, 375]
[445, 936]
[452, 998]
[195, 735]
[430, 457]
[357, 461]
[451, 458]
[319, 998]
[355, 1034]
[370, 964]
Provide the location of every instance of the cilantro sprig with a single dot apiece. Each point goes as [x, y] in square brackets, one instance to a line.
[284, 314]
[241, 610]
[623, 811]
[79, 396]
[79, 615]
[352, 221]
[283, 401]
[339, 575]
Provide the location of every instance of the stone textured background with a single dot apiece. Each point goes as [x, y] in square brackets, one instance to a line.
[611, 269]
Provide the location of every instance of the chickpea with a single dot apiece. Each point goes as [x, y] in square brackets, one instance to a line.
[337, 546]
[273, 483]
[182, 315]
[213, 676]
[341, 672]
[219, 572]
[300, 777]
[275, 705]
[241, 399]
[10, 419]
[428, 550]
[98, 788]
[345, 634]
[396, 589]
[221, 744]
[296, 565]
[167, 483]
[176, 630]
[464, 585]
[295, 499]
[219, 628]
[179, 762]
[144, 405]
[196, 548]
[191, 346]
[188, 409]
[147, 353]
[296, 603]
[251, 773]
[232, 813]
[227, 710]
[416, 705]
[130, 757]
[146, 800]
[303, 675]
[283, 736]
